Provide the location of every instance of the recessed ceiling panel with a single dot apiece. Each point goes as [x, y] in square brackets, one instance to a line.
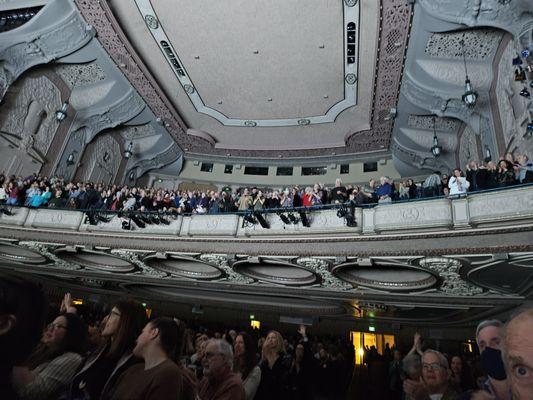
[391, 278]
[276, 272]
[248, 63]
[185, 267]
[10, 252]
[96, 260]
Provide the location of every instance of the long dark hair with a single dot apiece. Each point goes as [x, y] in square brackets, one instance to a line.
[248, 360]
[75, 341]
[132, 321]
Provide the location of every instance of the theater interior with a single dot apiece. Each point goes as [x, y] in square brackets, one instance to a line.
[209, 96]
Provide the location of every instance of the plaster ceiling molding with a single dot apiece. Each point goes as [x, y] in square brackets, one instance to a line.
[31, 119]
[512, 16]
[453, 73]
[13, 253]
[395, 15]
[85, 97]
[424, 139]
[427, 122]
[104, 161]
[166, 157]
[385, 277]
[75, 75]
[96, 260]
[522, 260]
[137, 132]
[322, 267]
[39, 42]
[185, 267]
[275, 271]
[468, 147]
[506, 90]
[253, 66]
[448, 270]
[479, 44]
[247, 301]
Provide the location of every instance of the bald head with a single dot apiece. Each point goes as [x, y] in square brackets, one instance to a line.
[518, 354]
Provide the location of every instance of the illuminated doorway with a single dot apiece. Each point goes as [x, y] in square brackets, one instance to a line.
[362, 340]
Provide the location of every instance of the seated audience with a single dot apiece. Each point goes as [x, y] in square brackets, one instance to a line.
[219, 382]
[245, 364]
[122, 327]
[158, 378]
[434, 384]
[51, 367]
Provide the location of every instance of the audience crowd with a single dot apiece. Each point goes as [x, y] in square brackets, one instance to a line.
[123, 355]
[39, 191]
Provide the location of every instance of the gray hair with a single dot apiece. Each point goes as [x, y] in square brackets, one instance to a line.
[442, 359]
[484, 324]
[225, 349]
[412, 365]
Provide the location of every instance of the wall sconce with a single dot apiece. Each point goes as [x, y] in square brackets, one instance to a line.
[61, 114]
[106, 157]
[529, 129]
[70, 159]
[129, 151]
[131, 176]
[488, 154]
[436, 150]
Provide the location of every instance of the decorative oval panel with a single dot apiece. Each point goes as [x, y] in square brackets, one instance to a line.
[185, 267]
[9, 252]
[96, 260]
[386, 277]
[283, 273]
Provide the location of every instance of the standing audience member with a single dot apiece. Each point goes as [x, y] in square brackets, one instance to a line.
[52, 365]
[219, 382]
[457, 183]
[505, 175]
[518, 354]
[159, 378]
[274, 371]
[101, 369]
[245, 364]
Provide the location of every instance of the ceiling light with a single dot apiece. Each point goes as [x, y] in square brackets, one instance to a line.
[129, 151]
[61, 114]
[470, 95]
[70, 159]
[436, 150]
[525, 93]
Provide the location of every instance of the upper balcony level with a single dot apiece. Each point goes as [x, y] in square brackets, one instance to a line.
[440, 261]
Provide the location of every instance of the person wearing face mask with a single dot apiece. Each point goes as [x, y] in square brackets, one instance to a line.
[489, 340]
[123, 324]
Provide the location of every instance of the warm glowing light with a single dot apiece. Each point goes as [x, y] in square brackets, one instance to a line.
[77, 302]
[255, 324]
[361, 352]
[148, 312]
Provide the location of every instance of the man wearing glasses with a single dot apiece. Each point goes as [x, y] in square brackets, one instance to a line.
[434, 383]
[219, 382]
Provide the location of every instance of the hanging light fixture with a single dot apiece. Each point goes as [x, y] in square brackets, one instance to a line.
[61, 114]
[129, 151]
[70, 159]
[470, 96]
[435, 149]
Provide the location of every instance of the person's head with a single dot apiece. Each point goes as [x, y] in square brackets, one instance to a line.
[457, 173]
[456, 365]
[489, 334]
[518, 354]
[435, 371]
[22, 315]
[124, 324]
[503, 164]
[274, 342]
[412, 366]
[218, 359]
[161, 333]
[299, 352]
[245, 357]
[338, 182]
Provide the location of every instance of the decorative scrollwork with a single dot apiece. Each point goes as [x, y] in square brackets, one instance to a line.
[320, 267]
[448, 270]
[221, 262]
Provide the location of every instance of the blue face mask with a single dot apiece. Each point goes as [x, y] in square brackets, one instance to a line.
[491, 360]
